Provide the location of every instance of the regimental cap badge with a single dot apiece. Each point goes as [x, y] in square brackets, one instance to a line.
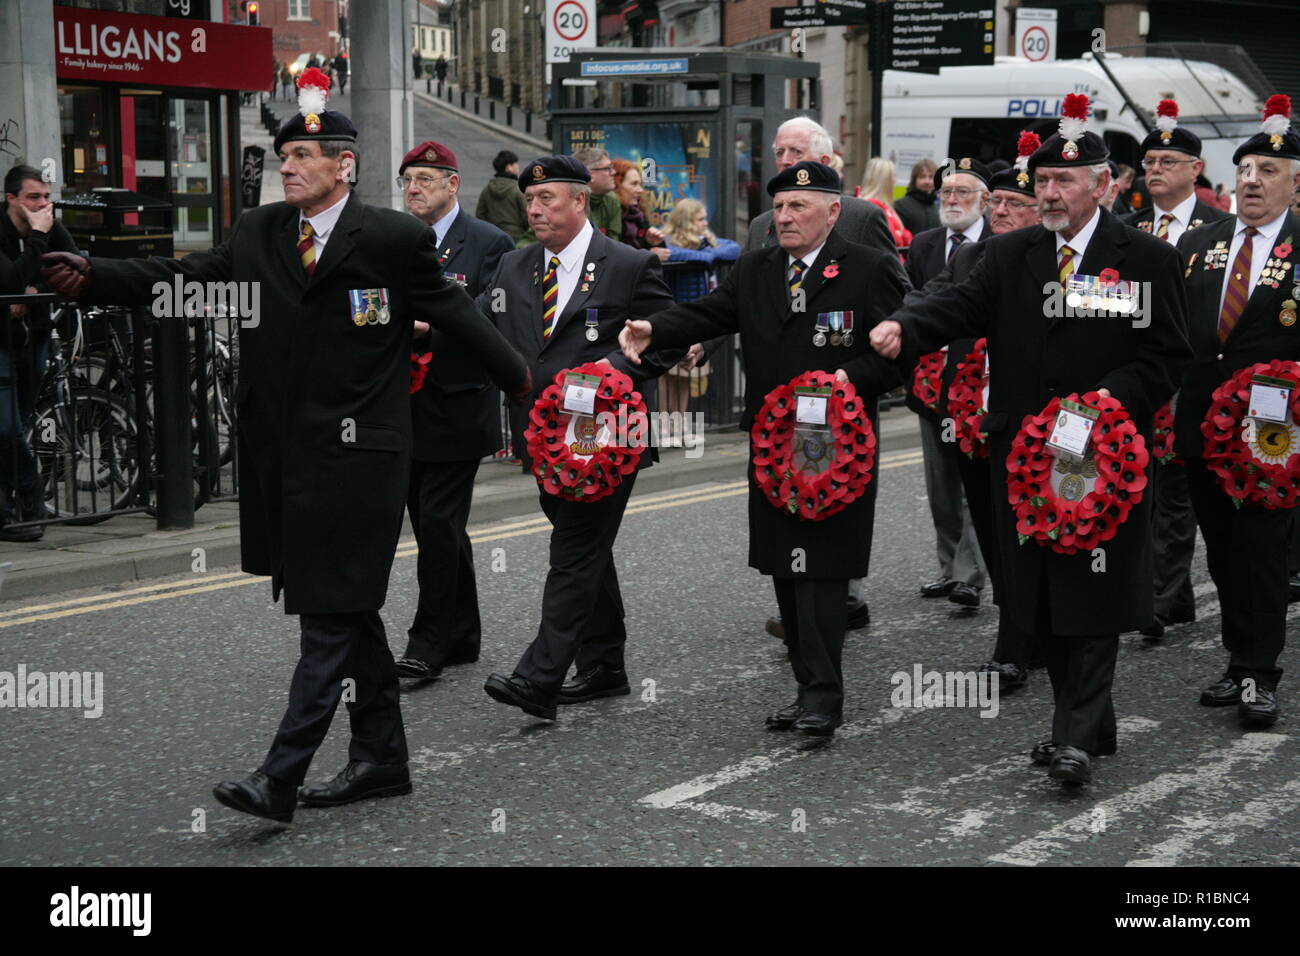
[312, 122]
[430, 153]
[1022, 178]
[538, 172]
[965, 163]
[802, 178]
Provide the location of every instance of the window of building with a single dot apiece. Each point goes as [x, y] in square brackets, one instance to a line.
[299, 9]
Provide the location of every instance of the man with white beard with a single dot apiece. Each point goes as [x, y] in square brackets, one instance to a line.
[963, 191]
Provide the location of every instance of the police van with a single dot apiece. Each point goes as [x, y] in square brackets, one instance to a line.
[979, 111]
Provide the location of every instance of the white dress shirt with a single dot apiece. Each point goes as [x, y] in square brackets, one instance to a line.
[1182, 214]
[443, 225]
[971, 232]
[1080, 242]
[1264, 241]
[322, 224]
[807, 261]
[571, 263]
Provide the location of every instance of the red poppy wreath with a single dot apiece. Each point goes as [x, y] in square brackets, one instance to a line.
[811, 470]
[967, 401]
[1259, 462]
[419, 369]
[576, 455]
[1162, 437]
[926, 380]
[1050, 496]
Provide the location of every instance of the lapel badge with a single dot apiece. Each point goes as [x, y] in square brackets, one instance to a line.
[585, 287]
[1288, 314]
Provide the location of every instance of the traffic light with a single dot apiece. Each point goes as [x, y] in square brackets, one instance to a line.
[250, 8]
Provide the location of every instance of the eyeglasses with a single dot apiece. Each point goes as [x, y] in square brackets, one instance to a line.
[424, 182]
[1165, 163]
[600, 169]
[961, 192]
[1016, 204]
[1261, 172]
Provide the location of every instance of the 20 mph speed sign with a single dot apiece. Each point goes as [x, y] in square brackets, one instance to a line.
[570, 25]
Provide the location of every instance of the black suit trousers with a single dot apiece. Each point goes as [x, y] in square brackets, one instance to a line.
[1173, 540]
[447, 621]
[815, 612]
[582, 608]
[1246, 549]
[336, 647]
[1082, 671]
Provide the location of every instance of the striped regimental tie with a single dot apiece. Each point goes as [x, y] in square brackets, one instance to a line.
[796, 276]
[1238, 291]
[1066, 268]
[1162, 230]
[307, 248]
[550, 297]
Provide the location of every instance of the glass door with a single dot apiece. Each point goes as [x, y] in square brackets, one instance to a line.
[193, 151]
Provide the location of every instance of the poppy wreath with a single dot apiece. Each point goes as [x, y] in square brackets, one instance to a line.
[813, 496]
[1121, 457]
[966, 402]
[419, 369]
[1244, 470]
[559, 469]
[926, 380]
[1162, 438]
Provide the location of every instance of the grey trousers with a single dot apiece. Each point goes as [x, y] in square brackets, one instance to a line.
[956, 544]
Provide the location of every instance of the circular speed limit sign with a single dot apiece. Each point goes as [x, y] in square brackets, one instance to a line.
[570, 20]
[1035, 44]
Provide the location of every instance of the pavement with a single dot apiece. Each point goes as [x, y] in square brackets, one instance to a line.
[192, 671]
[130, 548]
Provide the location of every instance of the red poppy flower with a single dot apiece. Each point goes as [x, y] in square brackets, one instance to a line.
[1109, 277]
[1282, 250]
[419, 368]
[831, 271]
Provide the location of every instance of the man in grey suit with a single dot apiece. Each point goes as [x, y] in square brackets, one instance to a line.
[563, 301]
[798, 139]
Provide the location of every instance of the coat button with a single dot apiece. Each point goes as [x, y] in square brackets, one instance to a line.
[1219, 356]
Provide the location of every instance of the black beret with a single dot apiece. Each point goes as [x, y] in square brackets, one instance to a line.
[325, 125]
[1169, 135]
[1275, 138]
[1088, 150]
[806, 175]
[553, 169]
[967, 165]
[1009, 179]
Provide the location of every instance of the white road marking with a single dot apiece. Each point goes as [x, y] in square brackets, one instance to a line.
[1212, 771]
[1222, 831]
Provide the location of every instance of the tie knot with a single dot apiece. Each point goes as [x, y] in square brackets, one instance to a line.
[555, 262]
[958, 237]
[1251, 232]
[797, 265]
[1066, 251]
[307, 231]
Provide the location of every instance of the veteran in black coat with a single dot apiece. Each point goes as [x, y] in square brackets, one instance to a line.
[1246, 547]
[324, 436]
[456, 421]
[810, 561]
[599, 285]
[1077, 609]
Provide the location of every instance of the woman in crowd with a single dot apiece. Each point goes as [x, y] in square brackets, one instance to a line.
[637, 231]
[878, 188]
[919, 208]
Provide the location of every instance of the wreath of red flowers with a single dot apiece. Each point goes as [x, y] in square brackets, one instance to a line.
[966, 402]
[562, 471]
[813, 496]
[1121, 457]
[419, 369]
[927, 379]
[1242, 476]
[1162, 438]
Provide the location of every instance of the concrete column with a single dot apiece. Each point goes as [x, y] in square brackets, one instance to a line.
[382, 106]
[29, 104]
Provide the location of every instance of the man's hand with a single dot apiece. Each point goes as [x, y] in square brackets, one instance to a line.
[841, 376]
[421, 328]
[20, 310]
[654, 236]
[887, 338]
[693, 357]
[662, 253]
[635, 339]
[67, 274]
[42, 220]
[520, 395]
[1104, 392]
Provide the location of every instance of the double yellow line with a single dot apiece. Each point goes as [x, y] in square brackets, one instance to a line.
[233, 579]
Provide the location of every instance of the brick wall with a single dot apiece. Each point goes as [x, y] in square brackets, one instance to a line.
[748, 19]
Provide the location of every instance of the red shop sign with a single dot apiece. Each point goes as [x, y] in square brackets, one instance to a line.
[159, 51]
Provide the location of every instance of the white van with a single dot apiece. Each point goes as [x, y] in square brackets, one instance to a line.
[979, 111]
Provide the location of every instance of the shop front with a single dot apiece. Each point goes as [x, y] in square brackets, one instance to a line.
[151, 104]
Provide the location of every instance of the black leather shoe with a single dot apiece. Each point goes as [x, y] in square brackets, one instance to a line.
[10, 533]
[357, 781]
[784, 719]
[776, 627]
[1222, 693]
[259, 795]
[1293, 589]
[1155, 630]
[816, 725]
[964, 594]
[518, 692]
[1010, 676]
[1262, 711]
[415, 669]
[593, 683]
[1070, 765]
[1043, 753]
[940, 587]
[859, 616]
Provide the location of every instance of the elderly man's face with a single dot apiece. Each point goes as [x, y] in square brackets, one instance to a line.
[961, 199]
[1265, 185]
[308, 176]
[556, 213]
[793, 146]
[429, 193]
[1066, 201]
[803, 218]
[1171, 175]
[1010, 210]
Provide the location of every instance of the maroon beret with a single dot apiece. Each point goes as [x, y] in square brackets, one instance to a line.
[431, 154]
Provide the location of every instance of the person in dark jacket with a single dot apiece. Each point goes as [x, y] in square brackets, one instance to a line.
[919, 207]
[501, 203]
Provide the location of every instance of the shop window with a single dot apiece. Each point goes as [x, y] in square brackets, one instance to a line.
[87, 138]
